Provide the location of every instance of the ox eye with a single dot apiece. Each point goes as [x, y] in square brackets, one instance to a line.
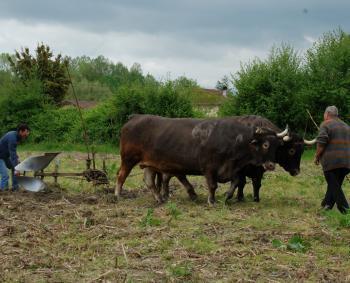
[266, 145]
[291, 151]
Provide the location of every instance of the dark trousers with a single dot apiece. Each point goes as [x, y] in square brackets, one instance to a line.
[334, 192]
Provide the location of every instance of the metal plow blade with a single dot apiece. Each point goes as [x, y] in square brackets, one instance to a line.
[36, 163]
[31, 184]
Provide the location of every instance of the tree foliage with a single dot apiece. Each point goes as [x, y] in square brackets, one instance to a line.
[49, 70]
[20, 102]
[269, 88]
[286, 84]
[328, 74]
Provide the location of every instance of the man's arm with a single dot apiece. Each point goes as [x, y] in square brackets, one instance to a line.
[12, 148]
[319, 151]
[322, 141]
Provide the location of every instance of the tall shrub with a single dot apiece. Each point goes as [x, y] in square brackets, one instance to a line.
[328, 74]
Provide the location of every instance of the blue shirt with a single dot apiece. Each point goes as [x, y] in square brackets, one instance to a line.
[8, 148]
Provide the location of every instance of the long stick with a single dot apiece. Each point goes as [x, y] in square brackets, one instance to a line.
[86, 138]
[312, 119]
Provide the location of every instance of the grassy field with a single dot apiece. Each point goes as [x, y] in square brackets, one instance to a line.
[73, 232]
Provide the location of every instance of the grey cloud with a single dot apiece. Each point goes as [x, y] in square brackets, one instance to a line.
[242, 22]
[198, 37]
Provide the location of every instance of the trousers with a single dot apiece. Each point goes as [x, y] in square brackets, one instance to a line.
[4, 173]
[335, 192]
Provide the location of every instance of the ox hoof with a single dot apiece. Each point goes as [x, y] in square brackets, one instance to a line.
[240, 199]
[228, 195]
[159, 200]
[165, 198]
[211, 202]
[193, 197]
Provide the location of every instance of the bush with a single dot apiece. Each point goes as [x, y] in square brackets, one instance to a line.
[54, 125]
[101, 127]
[164, 100]
[328, 74]
[19, 102]
[271, 88]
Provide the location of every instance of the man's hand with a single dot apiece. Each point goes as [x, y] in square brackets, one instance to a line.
[319, 151]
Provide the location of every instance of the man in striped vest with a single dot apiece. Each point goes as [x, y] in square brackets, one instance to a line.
[333, 150]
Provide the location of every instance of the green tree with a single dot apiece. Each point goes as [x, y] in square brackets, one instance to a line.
[19, 102]
[271, 88]
[50, 70]
[328, 74]
[224, 83]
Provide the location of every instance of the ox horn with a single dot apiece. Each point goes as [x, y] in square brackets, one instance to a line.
[284, 133]
[287, 138]
[309, 142]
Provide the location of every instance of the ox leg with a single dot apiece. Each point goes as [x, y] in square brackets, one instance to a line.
[122, 174]
[231, 191]
[241, 184]
[257, 183]
[212, 186]
[256, 186]
[165, 186]
[149, 178]
[189, 188]
[159, 178]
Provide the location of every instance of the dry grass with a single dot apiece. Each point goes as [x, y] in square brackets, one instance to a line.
[76, 233]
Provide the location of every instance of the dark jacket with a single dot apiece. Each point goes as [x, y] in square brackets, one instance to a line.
[8, 146]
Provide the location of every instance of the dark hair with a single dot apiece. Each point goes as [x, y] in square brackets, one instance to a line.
[22, 127]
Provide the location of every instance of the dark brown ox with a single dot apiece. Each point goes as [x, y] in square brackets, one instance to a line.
[217, 149]
[288, 156]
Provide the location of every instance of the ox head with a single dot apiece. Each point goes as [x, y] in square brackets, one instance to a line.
[289, 154]
[263, 147]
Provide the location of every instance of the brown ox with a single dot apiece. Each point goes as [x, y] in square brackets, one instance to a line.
[215, 148]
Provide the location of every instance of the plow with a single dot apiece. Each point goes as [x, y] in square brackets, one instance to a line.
[37, 165]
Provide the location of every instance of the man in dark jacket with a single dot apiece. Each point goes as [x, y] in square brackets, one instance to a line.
[8, 155]
[333, 150]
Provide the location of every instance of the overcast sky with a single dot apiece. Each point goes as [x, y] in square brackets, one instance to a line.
[200, 39]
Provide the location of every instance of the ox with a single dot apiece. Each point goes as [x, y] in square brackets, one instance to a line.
[288, 155]
[214, 148]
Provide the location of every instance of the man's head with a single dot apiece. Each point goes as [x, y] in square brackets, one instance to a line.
[331, 112]
[23, 131]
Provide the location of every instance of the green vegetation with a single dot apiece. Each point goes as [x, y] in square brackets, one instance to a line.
[295, 244]
[33, 86]
[280, 88]
[287, 83]
[51, 72]
[149, 220]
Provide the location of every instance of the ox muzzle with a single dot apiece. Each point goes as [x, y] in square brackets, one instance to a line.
[269, 166]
